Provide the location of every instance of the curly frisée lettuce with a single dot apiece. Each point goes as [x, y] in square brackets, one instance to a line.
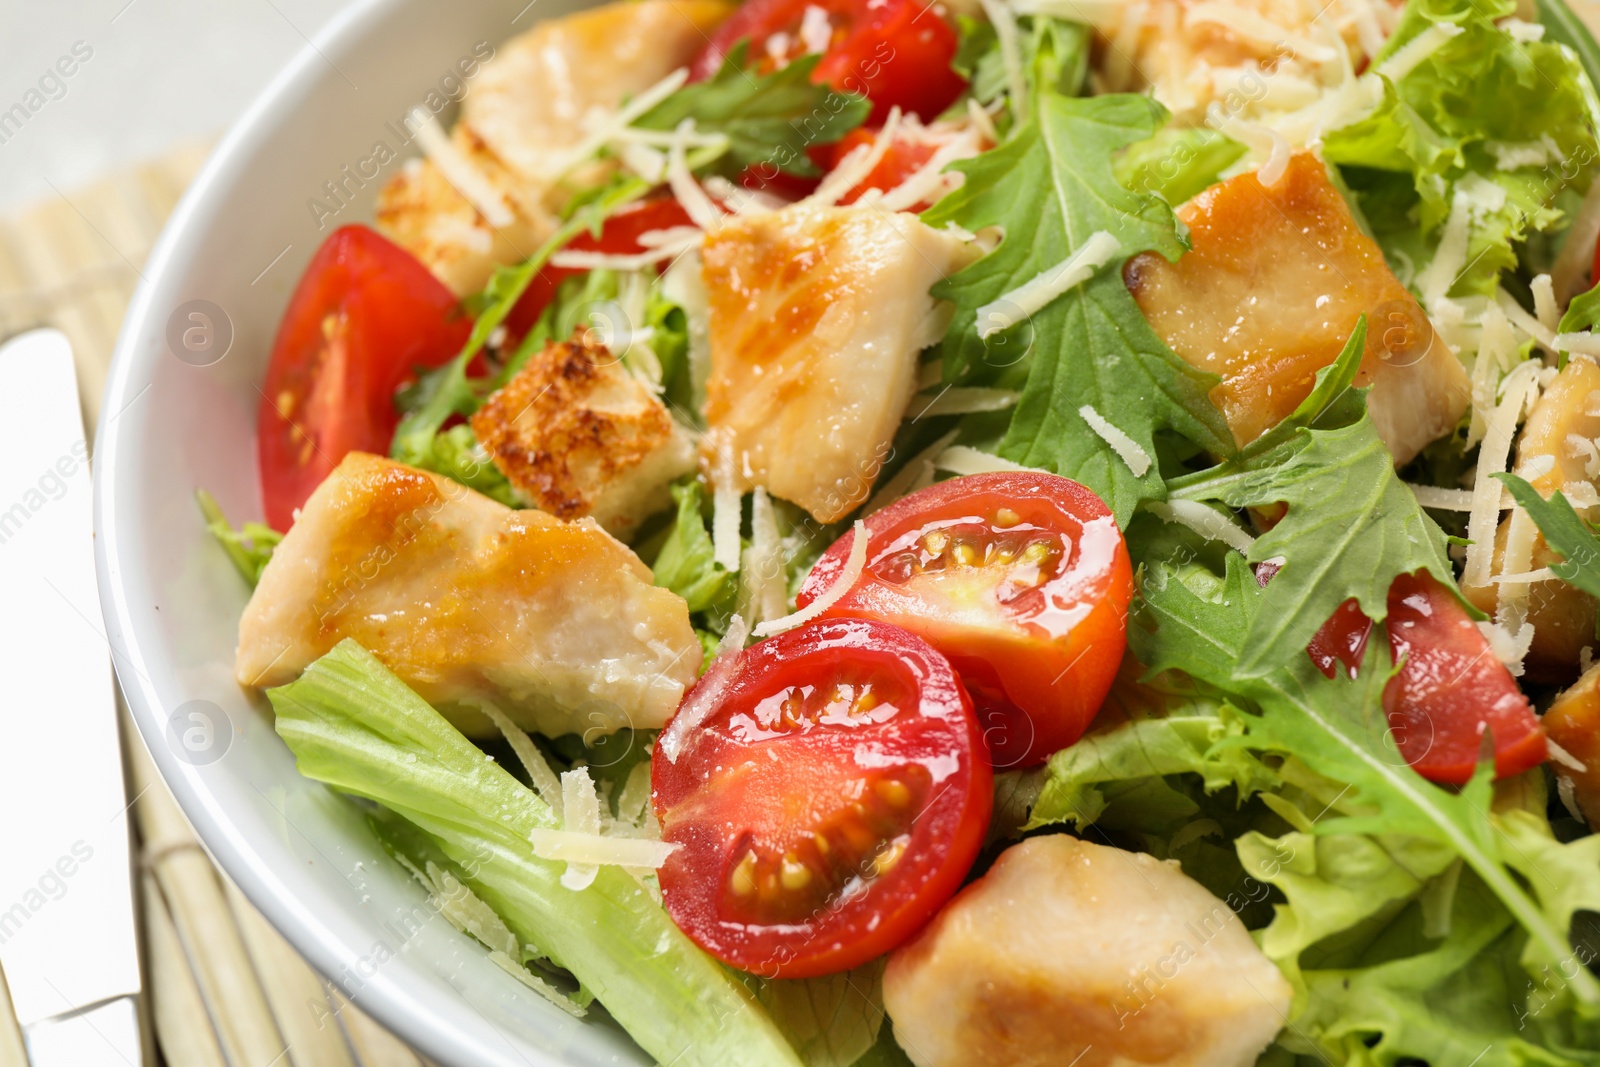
[355, 726]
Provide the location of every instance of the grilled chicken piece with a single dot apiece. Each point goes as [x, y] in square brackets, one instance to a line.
[816, 319]
[1068, 950]
[468, 600]
[579, 435]
[1276, 279]
[1573, 723]
[1559, 433]
[524, 109]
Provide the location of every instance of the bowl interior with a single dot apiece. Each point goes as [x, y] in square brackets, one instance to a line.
[309, 156]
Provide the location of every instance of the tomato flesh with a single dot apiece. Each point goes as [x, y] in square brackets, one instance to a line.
[365, 315]
[1451, 688]
[619, 236]
[902, 159]
[896, 53]
[833, 797]
[1342, 641]
[1022, 579]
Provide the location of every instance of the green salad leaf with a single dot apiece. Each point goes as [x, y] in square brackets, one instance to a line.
[1565, 531]
[249, 548]
[1563, 26]
[1054, 56]
[1178, 162]
[684, 564]
[1195, 621]
[1351, 524]
[1091, 346]
[769, 119]
[1487, 125]
[833, 1020]
[355, 726]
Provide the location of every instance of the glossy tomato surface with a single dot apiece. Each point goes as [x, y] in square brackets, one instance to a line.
[1021, 578]
[828, 791]
[619, 236]
[902, 159]
[896, 53]
[364, 317]
[1450, 689]
[1342, 640]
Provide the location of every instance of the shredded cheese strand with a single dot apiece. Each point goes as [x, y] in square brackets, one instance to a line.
[1005, 31]
[1034, 295]
[854, 564]
[580, 815]
[1126, 448]
[1203, 520]
[962, 459]
[701, 209]
[591, 851]
[544, 780]
[964, 400]
[462, 174]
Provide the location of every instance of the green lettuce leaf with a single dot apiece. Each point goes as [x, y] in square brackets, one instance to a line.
[355, 726]
[1091, 346]
[249, 548]
[833, 1020]
[769, 119]
[1440, 125]
[1054, 54]
[1563, 531]
[1178, 162]
[1195, 621]
[684, 564]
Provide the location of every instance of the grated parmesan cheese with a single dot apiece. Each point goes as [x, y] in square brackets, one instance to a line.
[1583, 343]
[727, 507]
[963, 400]
[623, 262]
[543, 778]
[701, 209]
[857, 164]
[1005, 31]
[1521, 30]
[590, 851]
[462, 174]
[1565, 758]
[816, 29]
[929, 182]
[580, 806]
[1032, 296]
[1242, 22]
[1417, 51]
[612, 126]
[702, 700]
[1518, 392]
[1543, 574]
[1508, 647]
[1126, 448]
[1205, 521]
[961, 459]
[763, 592]
[1432, 496]
[853, 567]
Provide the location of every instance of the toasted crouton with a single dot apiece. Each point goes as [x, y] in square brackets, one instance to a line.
[579, 435]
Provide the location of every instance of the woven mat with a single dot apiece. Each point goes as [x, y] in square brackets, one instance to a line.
[224, 989]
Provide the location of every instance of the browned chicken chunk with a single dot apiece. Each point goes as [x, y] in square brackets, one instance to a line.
[579, 435]
[816, 319]
[467, 600]
[1573, 722]
[1070, 952]
[1276, 279]
[527, 106]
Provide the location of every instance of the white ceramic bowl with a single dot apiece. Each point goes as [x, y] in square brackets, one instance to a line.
[239, 240]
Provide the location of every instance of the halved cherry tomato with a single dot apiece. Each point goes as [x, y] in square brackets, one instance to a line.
[893, 52]
[619, 236]
[365, 315]
[831, 796]
[1021, 578]
[902, 160]
[1451, 688]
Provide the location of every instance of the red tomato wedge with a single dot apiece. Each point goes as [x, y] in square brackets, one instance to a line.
[365, 315]
[894, 52]
[619, 236]
[1021, 578]
[902, 159]
[829, 794]
[1342, 639]
[1451, 688]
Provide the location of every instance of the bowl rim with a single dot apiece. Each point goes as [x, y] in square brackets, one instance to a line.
[397, 1005]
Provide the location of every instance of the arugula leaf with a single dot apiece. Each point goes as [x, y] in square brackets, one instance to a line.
[249, 548]
[1194, 621]
[1563, 531]
[1054, 53]
[1583, 313]
[769, 119]
[1091, 346]
[684, 564]
[356, 727]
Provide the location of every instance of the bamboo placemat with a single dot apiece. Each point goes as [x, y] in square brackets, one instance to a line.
[223, 988]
